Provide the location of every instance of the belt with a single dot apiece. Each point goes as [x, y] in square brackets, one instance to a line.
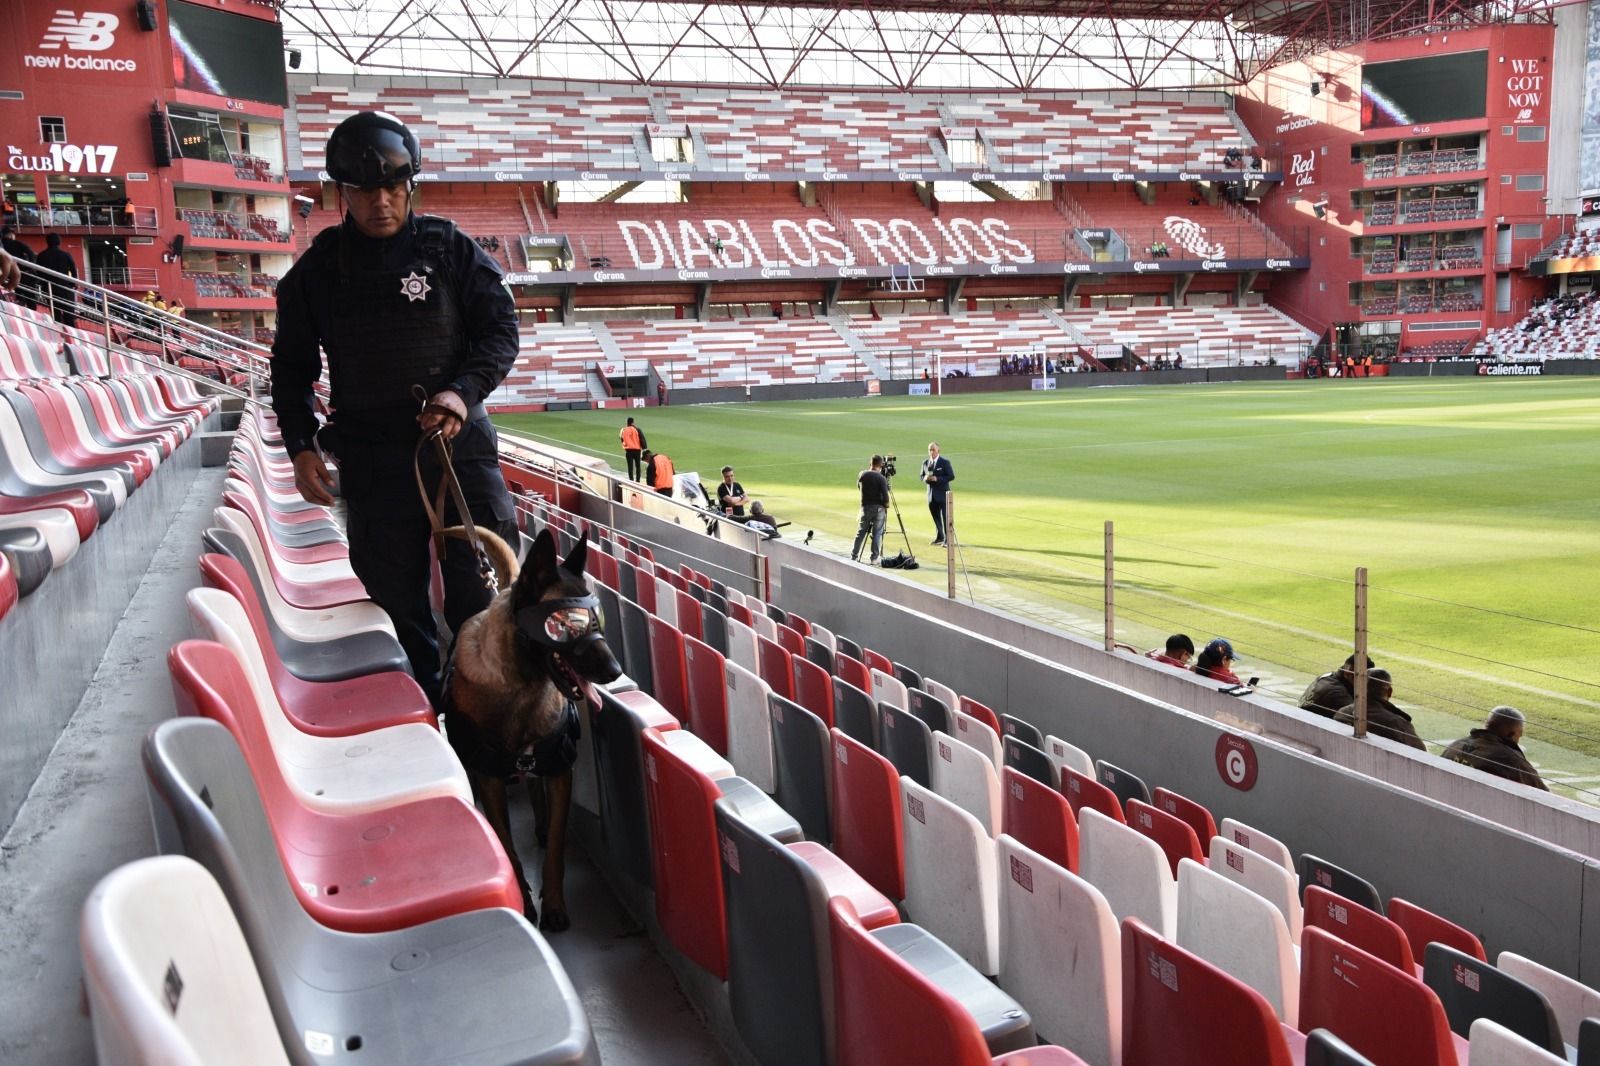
[399, 426]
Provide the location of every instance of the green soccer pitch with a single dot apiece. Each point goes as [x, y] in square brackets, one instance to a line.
[1240, 510]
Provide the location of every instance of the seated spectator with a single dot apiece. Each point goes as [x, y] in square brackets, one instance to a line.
[1178, 652]
[1494, 749]
[1216, 662]
[762, 522]
[1333, 690]
[1383, 717]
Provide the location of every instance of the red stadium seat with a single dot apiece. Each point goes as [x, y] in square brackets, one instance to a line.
[706, 693]
[1178, 1010]
[688, 874]
[690, 614]
[813, 688]
[799, 625]
[867, 831]
[853, 671]
[645, 589]
[1359, 927]
[792, 641]
[741, 613]
[983, 714]
[1084, 791]
[1177, 840]
[775, 668]
[667, 669]
[1422, 927]
[390, 868]
[874, 661]
[1386, 1014]
[1039, 818]
[8, 586]
[1198, 818]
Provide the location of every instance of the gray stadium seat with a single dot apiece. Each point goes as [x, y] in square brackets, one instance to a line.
[1027, 759]
[1471, 989]
[481, 987]
[819, 653]
[854, 713]
[846, 646]
[930, 709]
[635, 632]
[800, 766]
[1012, 726]
[1589, 1042]
[907, 742]
[1124, 785]
[619, 766]
[714, 628]
[908, 677]
[1341, 882]
[1325, 1049]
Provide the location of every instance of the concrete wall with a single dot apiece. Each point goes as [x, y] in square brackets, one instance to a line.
[1415, 826]
[53, 640]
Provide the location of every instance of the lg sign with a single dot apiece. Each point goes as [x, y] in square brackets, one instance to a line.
[69, 32]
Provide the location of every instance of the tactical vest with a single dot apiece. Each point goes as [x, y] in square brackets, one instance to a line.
[391, 327]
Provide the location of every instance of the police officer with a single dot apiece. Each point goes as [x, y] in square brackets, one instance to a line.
[396, 300]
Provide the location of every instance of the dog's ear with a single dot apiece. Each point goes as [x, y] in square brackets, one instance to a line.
[578, 557]
[538, 570]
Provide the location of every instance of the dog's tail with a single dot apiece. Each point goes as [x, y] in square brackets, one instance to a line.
[501, 555]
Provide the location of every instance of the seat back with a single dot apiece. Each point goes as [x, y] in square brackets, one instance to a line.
[1257, 841]
[1383, 1013]
[930, 709]
[1048, 915]
[907, 676]
[1239, 933]
[1123, 784]
[780, 961]
[1262, 876]
[749, 725]
[742, 646]
[800, 762]
[1471, 989]
[791, 641]
[775, 667]
[1039, 818]
[1129, 870]
[1422, 927]
[1572, 1001]
[876, 661]
[1170, 833]
[819, 653]
[1492, 1044]
[855, 713]
[1192, 814]
[887, 1011]
[1012, 726]
[968, 705]
[965, 777]
[1589, 1042]
[619, 763]
[636, 639]
[867, 831]
[951, 887]
[205, 805]
[1087, 793]
[1367, 930]
[690, 613]
[845, 646]
[886, 688]
[1325, 1049]
[1179, 1010]
[852, 670]
[762, 622]
[1339, 881]
[169, 976]
[1063, 754]
[685, 863]
[813, 688]
[943, 693]
[1025, 758]
[714, 629]
[666, 605]
[975, 733]
[706, 693]
[667, 667]
[905, 741]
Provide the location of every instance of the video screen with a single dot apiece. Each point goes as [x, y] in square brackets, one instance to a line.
[226, 54]
[1413, 92]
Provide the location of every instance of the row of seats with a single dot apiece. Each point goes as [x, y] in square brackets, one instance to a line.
[1016, 850]
[74, 442]
[366, 911]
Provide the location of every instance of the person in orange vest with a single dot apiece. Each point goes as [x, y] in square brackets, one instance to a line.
[658, 472]
[632, 438]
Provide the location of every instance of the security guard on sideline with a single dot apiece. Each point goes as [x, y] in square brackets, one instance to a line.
[396, 300]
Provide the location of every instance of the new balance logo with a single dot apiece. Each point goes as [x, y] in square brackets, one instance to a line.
[94, 31]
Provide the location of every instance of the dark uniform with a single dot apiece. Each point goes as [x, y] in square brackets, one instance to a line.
[1485, 750]
[1385, 720]
[424, 307]
[1327, 694]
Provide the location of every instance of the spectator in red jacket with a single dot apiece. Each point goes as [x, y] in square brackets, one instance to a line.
[1216, 662]
[1178, 652]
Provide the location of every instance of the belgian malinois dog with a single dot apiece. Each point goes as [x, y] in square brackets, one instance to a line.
[518, 678]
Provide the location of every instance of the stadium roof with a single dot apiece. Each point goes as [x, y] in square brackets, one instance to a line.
[890, 44]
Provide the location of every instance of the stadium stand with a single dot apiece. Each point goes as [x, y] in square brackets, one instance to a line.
[1564, 327]
[1188, 226]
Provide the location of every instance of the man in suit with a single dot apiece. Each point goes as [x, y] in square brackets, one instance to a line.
[937, 473]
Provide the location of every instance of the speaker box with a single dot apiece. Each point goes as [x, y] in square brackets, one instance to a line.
[146, 12]
[160, 138]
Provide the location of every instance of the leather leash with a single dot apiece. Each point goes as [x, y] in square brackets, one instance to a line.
[449, 486]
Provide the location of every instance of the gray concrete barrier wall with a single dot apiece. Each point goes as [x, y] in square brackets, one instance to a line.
[1417, 827]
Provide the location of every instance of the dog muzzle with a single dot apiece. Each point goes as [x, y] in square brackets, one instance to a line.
[568, 631]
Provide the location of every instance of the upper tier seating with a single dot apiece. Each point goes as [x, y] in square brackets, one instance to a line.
[1187, 230]
[487, 125]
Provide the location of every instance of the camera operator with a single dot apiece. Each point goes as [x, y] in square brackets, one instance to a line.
[874, 485]
[937, 473]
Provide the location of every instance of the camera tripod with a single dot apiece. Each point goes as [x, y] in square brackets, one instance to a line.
[910, 556]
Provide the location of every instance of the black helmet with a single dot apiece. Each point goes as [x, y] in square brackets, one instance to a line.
[371, 149]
